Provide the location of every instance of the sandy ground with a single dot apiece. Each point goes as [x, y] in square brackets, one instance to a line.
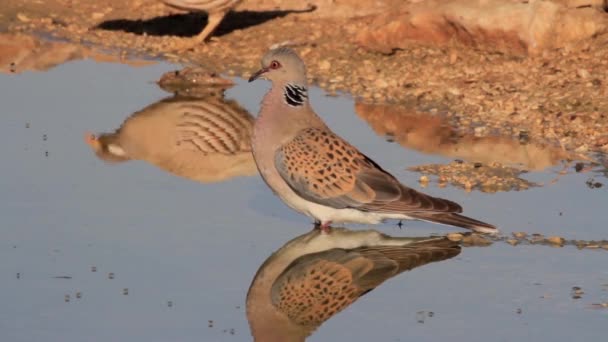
[559, 97]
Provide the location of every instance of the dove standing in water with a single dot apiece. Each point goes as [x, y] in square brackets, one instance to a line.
[216, 10]
[321, 175]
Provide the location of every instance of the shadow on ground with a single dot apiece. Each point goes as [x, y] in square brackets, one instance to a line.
[190, 24]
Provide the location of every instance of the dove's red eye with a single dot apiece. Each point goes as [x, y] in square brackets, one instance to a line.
[275, 65]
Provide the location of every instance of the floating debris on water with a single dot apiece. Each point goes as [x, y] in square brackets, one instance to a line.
[577, 292]
[422, 315]
[592, 184]
[599, 305]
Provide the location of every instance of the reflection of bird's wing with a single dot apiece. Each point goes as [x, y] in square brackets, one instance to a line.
[323, 168]
[317, 286]
[213, 126]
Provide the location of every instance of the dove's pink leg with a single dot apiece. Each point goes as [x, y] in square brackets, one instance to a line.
[325, 227]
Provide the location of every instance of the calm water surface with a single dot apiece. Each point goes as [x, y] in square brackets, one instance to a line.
[127, 252]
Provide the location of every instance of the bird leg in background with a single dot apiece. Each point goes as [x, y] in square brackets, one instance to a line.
[325, 227]
[213, 20]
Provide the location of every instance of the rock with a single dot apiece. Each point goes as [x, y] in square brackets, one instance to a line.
[513, 242]
[454, 236]
[513, 27]
[23, 18]
[583, 73]
[476, 240]
[555, 240]
[520, 235]
[324, 65]
[380, 83]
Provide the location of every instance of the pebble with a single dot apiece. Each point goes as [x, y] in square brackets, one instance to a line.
[520, 235]
[324, 65]
[583, 73]
[513, 242]
[380, 83]
[454, 236]
[556, 240]
[23, 18]
[476, 240]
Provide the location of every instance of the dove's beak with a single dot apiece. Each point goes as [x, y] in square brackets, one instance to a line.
[92, 141]
[258, 74]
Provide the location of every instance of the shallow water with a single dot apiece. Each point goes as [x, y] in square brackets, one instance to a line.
[182, 254]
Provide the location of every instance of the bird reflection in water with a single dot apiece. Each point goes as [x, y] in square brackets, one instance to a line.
[206, 139]
[316, 275]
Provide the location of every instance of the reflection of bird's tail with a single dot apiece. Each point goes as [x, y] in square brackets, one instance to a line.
[457, 220]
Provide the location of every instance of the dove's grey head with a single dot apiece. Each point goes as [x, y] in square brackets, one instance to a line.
[282, 65]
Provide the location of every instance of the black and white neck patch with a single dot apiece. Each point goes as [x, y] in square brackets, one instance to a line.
[295, 95]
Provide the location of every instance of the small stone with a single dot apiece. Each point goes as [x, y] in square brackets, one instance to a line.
[23, 18]
[424, 181]
[520, 235]
[454, 91]
[476, 240]
[556, 240]
[583, 73]
[380, 83]
[454, 236]
[453, 56]
[513, 242]
[480, 130]
[324, 65]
